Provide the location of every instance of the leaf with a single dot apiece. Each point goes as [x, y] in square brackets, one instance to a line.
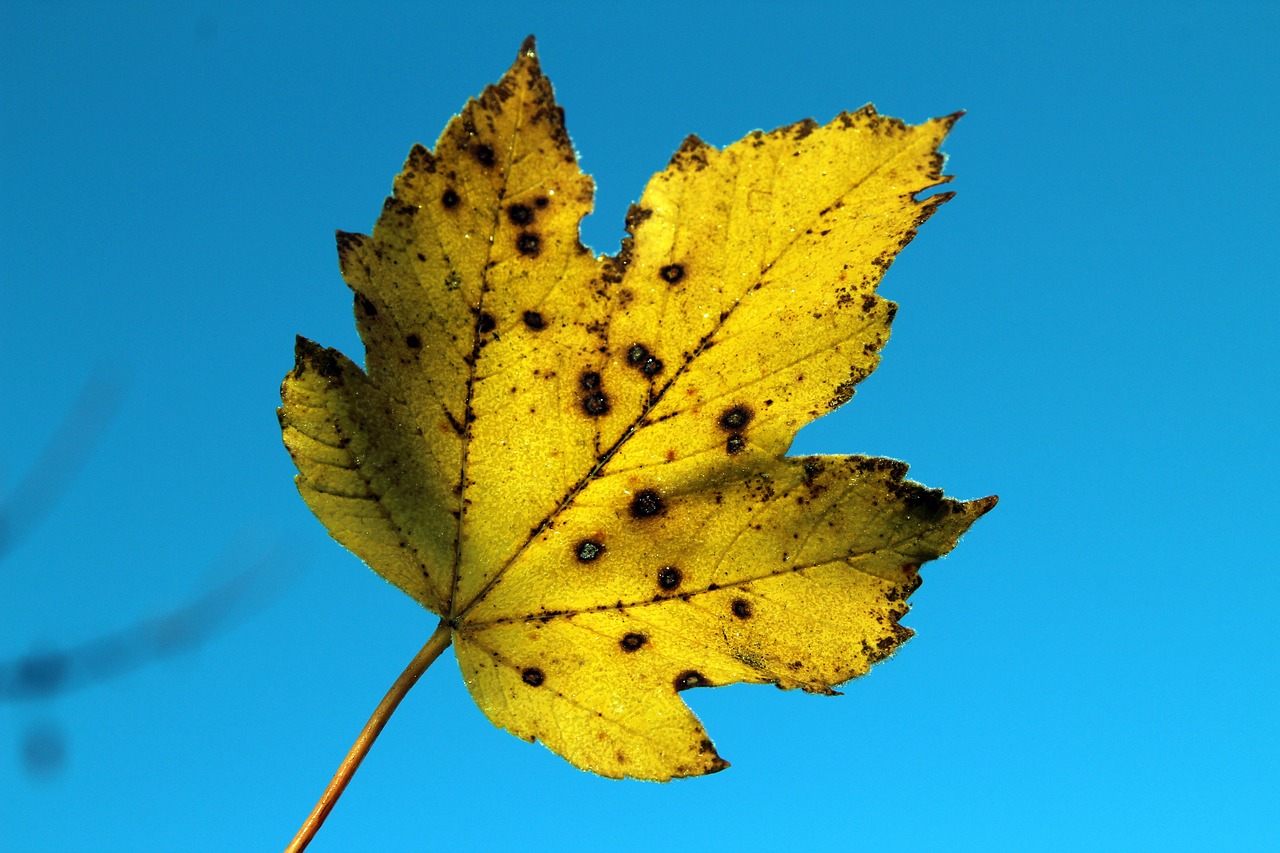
[579, 461]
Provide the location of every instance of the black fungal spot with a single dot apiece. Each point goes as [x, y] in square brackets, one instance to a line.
[529, 244]
[450, 198]
[669, 577]
[646, 503]
[735, 418]
[735, 444]
[541, 202]
[485, 323]
[672, 273]
[520, 214]
[413, 341]
[532, 676]
[690, 678]
[741, 608]
[596, 404]
[483, 154]
[638, 356]
[534, 320]
[631, 642]
[366, 305]
[589, 550]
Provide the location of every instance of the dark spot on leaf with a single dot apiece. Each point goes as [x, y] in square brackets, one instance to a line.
[529, 244]
[638, 355]
[646, 503]
[669, 577]
[485, 323]
[631, 642]
[541, 202]
[366, 305]
[413, 341]
[450, 198]
[483, 154]
[532, 676]
[534, 320]
[741, 608]
[690, 678]
[520, 214]
[588, 550]
[735, 444]
[596, 404]
[672, 273]
[735, 418]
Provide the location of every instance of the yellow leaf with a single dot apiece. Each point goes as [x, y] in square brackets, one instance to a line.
[579, 461]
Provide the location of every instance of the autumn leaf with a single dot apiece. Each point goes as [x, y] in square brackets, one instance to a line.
[579, 461]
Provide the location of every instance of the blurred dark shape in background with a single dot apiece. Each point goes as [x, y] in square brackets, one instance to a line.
[44, 750]
[41, 675]
[51, 474]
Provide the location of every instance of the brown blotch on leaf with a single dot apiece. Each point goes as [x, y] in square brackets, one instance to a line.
[631, 642]
[741, 608]
[534, 320]
[450, 198]
[589, 380]
[520, 214]
[735, 418]
[735, 444]
[672, 273]
[325, 362]
[636, 215]
[669, 577]
[366, 305]
[485, 323]
[541, 202]
[532, 676]
[919, 500]
[646, 503]
[413, 341]
[348, 241]
[690, 678]
[529, 244]
[588, 550]
[484, 154]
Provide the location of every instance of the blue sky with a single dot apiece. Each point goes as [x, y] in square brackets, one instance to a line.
[1088, 330]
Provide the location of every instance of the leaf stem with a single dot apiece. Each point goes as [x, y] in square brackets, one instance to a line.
[438, 642]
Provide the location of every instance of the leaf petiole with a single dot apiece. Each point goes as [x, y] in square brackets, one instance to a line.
[438, 642]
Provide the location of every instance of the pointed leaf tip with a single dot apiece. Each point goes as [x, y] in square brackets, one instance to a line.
[529, 46]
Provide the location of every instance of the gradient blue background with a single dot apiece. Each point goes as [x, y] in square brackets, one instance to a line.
[1088, 330]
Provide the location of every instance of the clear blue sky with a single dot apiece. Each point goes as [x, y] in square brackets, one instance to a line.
[1088, 330]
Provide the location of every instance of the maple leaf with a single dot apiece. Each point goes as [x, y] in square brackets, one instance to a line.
[578, 461]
